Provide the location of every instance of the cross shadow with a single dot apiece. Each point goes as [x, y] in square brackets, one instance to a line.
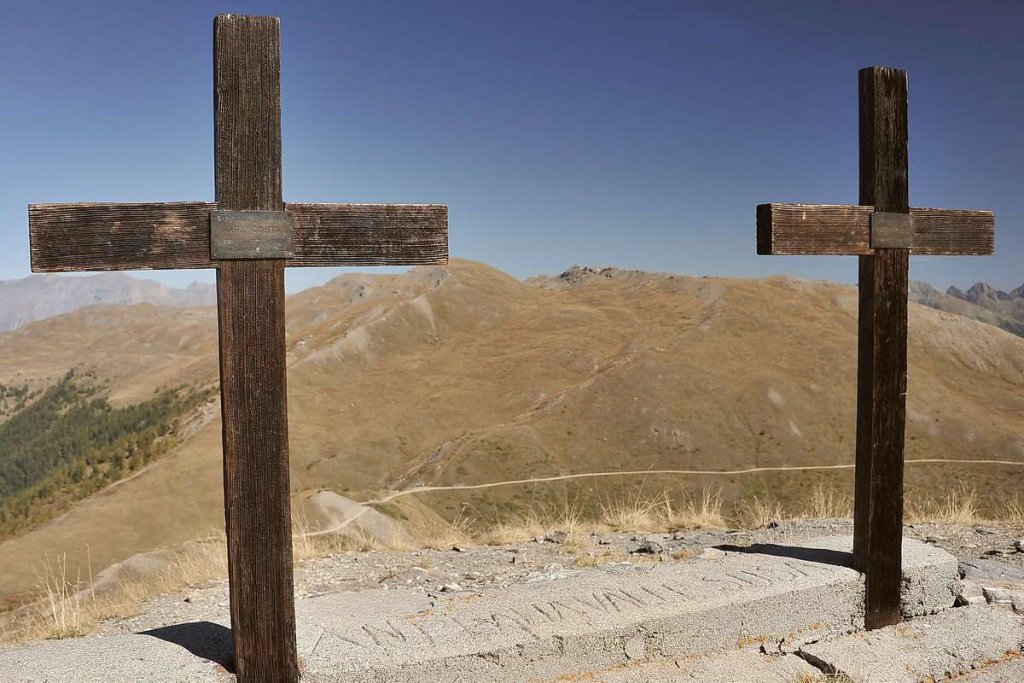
[839, 558]
[202, 638]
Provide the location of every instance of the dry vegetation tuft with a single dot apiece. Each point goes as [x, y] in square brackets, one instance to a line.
[660, 513]
[62, 604]
[634, 512]
[822, 678]
[439, 535]
[537, 522]
[829, 503]
[757, 513]
[70, 606]
[963, 506]
[959, 506]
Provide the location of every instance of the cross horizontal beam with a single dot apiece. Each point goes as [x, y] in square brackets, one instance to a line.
[831, 229]
[154, 236]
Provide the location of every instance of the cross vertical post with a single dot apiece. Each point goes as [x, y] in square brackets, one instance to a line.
[250, 314]
[882, 349]
[882, 231]
[249, 235]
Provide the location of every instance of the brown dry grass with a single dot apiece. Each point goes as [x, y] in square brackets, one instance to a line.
[829, 503]
[659, 513]
[822, 678]
[634, 511]
[63, 600]
[539, 521]
[959, 506]
[757, 512]
[70, 606]
[441, 535]
[963, 506]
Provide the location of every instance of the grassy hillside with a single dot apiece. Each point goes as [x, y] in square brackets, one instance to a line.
[466, 376]
[69, 442]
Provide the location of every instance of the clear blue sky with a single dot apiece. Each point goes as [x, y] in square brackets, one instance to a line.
[636, 134]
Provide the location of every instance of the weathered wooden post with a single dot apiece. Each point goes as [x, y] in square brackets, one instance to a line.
[882, 231]
[249, 236]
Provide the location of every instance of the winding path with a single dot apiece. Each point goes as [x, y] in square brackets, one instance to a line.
[625, 473]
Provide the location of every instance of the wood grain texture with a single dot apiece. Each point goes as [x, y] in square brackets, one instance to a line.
[883, 138]
[835, 229]
[251, 316]
[865, 399]
[882, 425]
[882, 360]
[154, 236]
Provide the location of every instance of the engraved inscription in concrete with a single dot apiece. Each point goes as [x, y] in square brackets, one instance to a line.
[619, 596]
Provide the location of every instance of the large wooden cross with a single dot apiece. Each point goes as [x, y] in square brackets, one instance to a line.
[249, 235]
[882, 231]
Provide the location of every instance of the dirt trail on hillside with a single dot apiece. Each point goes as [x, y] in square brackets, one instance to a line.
[563, 477]
[634, 473]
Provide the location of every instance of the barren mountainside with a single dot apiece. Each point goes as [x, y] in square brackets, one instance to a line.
[462, 375]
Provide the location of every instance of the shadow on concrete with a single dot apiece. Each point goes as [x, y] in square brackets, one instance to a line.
[839, 558]
[202, 638]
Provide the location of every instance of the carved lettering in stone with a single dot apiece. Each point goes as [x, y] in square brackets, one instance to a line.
[386, 635]
[536, 620]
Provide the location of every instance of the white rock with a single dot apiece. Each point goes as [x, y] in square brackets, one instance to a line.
[970, 594]
[996, 596]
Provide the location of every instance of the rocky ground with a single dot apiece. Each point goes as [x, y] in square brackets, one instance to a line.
[459, 569]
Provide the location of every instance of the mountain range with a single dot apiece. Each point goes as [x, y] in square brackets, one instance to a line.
[463, 375]
[42, 296]
[981, 302]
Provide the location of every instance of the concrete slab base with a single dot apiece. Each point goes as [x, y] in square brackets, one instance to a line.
[133, 657]
[932, 648]
[770, 598]
[740, 666]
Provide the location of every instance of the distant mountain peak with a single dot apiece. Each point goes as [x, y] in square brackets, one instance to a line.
[982, 302]
[983, 290]
[953, 290]
[45, 295]
[923, 290]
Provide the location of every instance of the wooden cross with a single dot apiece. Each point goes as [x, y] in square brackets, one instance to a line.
[249, 235]
[883, 231]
